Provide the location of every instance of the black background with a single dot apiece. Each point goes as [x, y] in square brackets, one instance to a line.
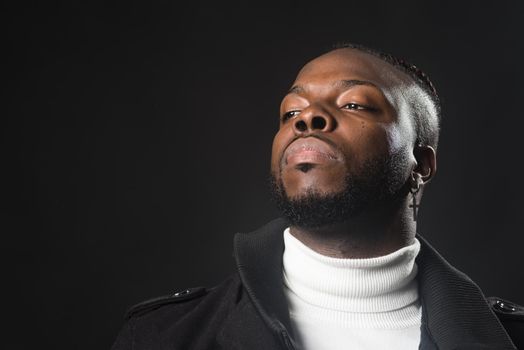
[137, 139]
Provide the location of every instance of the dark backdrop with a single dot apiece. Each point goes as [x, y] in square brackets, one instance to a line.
[137, 138]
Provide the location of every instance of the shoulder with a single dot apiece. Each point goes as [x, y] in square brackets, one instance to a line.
[182, 312]
[183, 300]
[177, 297]
[137, 334]
[511, 315]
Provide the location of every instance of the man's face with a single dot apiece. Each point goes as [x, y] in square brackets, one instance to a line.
[343, 121]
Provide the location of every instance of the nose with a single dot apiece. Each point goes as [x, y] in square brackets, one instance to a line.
[314, 120]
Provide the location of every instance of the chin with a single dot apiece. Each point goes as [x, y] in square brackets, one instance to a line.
[308, 186]
[312, 190]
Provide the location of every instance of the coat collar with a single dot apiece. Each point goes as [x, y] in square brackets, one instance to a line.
[259, 262]
[455, 314]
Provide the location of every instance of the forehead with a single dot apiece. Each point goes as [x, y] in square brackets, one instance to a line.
[347, 63]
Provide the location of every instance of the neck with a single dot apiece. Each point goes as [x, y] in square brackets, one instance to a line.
[369, 235]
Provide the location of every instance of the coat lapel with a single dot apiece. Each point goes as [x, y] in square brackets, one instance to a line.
[259, 263]
[455, 313]
[245, 329]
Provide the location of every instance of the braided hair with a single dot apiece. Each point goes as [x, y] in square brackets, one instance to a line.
[426, 127]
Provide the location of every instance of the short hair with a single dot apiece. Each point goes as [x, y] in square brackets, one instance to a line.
[426, 128]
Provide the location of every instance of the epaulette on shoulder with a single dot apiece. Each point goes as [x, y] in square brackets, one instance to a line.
[511, 315]
[506, 310]
[153, 304]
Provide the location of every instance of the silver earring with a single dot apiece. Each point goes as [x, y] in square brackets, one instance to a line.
[416, 184]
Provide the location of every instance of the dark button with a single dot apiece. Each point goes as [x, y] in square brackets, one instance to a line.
[182, 293]
[504, 306]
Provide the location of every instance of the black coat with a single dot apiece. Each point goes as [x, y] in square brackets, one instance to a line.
[249, 310]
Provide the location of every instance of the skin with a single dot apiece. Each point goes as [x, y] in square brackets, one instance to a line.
[353, 107]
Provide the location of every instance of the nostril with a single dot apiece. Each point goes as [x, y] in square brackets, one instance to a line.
[301, 125]
[318, 123]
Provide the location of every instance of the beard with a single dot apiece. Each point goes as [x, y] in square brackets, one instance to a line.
[379, 182]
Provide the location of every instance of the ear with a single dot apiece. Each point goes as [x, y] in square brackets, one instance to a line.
[426, 166]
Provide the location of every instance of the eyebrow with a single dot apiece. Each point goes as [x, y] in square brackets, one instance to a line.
[346, 84]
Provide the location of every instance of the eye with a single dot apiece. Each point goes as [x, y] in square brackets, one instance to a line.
[358, 107]
[354, 106]
[289, 115]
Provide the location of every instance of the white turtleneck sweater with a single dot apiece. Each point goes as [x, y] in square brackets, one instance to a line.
[352, 303]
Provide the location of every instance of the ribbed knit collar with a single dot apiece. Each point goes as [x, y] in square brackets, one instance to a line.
[371, 285]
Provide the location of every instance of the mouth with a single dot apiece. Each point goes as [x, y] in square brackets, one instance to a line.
[309, 157]
[307, 153]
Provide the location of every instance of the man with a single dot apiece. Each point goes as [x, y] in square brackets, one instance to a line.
[344, 269]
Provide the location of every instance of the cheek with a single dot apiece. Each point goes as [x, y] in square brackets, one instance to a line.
[396, 139]
[365, 140]
[400, 139]
[403, 133]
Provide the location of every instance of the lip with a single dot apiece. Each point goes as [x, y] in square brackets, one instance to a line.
[309, 150]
